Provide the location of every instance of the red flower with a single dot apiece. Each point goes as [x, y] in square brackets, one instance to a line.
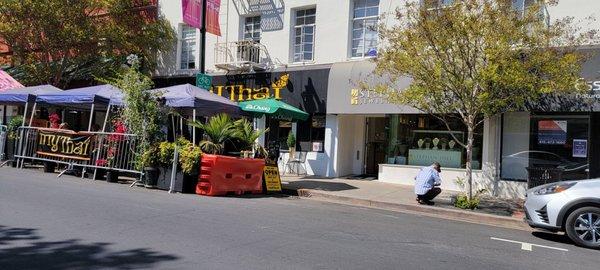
[54, 120]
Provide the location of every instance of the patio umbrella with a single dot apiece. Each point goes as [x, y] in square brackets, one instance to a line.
[274, 108]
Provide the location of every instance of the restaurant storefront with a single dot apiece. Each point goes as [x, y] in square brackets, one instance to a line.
[302, 87]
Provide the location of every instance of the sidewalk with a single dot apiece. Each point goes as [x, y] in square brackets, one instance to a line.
[401, 198]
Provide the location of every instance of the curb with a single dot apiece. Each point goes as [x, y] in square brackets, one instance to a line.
[423, 210]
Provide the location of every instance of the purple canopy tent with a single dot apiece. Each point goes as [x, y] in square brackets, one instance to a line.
[187, 96]
[103, 95]
[25, 95]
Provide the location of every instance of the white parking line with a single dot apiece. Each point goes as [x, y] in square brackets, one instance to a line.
[527, 246]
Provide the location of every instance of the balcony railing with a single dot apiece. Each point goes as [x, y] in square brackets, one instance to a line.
[245, 55]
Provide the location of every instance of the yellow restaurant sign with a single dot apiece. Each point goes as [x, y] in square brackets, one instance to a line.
[240, 92]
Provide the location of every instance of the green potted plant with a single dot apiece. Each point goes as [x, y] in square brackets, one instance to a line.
[12, 138]
[291, 143]
[150, 159]
[247, 136]
[217, 130]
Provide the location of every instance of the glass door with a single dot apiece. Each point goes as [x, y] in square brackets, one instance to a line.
[375, 144]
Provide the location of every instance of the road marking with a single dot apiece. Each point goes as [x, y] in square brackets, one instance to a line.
[527, 246]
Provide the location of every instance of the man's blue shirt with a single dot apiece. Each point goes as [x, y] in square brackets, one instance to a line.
[426, 179]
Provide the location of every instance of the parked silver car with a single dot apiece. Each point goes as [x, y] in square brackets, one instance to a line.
[569, 206]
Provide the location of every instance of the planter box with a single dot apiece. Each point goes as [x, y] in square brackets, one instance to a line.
[221, 175]
[184, 183]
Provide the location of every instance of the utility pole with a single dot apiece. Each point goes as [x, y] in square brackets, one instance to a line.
[203, 39]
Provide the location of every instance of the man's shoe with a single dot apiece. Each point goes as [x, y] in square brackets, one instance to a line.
[429, 203]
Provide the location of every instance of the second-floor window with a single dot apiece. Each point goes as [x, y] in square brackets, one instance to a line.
[252, 28]
[189, 49]
[304, 35]
[364, 28]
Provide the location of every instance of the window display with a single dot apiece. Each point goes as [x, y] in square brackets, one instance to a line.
[422, 139]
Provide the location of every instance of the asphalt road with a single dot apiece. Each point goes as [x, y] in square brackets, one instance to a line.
[70, 223]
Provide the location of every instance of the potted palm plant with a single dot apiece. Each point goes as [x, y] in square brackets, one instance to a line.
[248, 136]
[222, 174]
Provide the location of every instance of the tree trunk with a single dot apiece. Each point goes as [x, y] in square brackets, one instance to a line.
[469, 157]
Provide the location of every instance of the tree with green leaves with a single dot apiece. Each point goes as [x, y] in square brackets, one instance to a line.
[57, 41]
[474, 59]
[142, 112]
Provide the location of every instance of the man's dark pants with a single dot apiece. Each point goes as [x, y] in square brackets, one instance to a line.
[430, 195]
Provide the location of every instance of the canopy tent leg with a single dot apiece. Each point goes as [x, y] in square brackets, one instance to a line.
[25, 114]
[106, 117]
[32, 114]
[180, 126]
[101, 139]
[91, 117]
[23, 149]
[194, 128]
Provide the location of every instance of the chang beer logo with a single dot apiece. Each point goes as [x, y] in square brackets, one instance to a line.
[257, 108]
[242, 93]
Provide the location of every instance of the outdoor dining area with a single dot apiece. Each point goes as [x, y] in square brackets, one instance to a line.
[201, 140]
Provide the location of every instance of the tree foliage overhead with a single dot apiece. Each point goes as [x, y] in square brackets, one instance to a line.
[56, 41]
[473, 59]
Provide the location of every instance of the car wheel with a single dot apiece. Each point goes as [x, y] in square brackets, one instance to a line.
[583, 227]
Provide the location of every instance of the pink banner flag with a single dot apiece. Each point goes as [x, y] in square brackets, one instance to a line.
[212, 18]
[8, 82]
[192, 12]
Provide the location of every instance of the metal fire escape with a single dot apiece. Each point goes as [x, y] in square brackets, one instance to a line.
[249, 55]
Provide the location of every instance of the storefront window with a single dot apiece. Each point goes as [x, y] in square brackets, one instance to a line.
[311, 133]
[548, 141]
[422, 139]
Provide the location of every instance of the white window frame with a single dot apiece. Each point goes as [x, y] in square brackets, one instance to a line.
[180, 48]
[253, 28]
[302, 29]
[364, 30]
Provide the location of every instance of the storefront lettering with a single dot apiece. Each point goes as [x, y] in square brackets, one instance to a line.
[240, 92]
[592, 87]
[367, 96]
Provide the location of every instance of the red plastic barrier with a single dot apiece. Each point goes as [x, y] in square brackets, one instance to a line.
[220, 175]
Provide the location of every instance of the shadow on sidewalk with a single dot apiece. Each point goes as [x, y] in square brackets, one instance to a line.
[21, 248]
[321, 185]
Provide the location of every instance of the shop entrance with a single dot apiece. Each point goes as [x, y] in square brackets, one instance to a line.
[375, 144]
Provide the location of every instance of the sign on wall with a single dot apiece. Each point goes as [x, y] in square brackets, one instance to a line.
[552, 132]
[579, 148]
[241, 92]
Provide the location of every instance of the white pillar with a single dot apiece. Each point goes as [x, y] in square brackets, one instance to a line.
[261, 123]
[194, 128]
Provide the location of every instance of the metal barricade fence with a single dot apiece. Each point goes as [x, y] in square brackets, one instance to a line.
[3, 139]
[109, 151]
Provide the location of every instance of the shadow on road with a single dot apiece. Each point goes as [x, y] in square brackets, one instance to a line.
[21, 248]
[558, 238]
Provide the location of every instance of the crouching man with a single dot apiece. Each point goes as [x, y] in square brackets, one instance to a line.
[427, 183]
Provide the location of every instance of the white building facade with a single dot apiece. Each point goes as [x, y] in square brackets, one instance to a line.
[312, 53]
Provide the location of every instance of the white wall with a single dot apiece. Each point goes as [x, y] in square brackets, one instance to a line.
[332, 37]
